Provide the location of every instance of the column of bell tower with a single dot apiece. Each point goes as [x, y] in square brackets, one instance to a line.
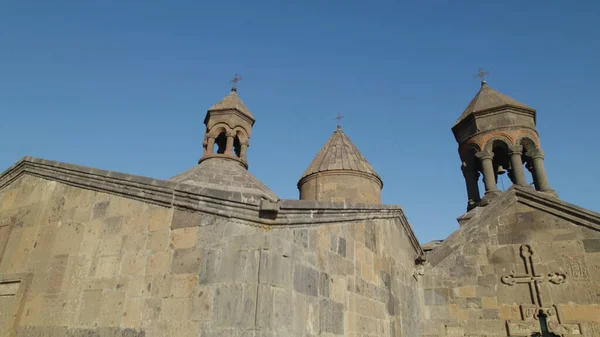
[497, 134]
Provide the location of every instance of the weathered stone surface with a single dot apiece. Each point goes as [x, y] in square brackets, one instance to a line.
[187, 261]
[332, 317]
[306, 280]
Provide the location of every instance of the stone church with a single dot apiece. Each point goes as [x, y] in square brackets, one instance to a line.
[214, 252]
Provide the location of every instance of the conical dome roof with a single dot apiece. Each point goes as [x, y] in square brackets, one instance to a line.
[232, 102]
[224, 174]
[488, 98]
[339, 153]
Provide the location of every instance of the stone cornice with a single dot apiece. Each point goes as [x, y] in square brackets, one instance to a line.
[242, 206]
[528, 196]
[578, 215]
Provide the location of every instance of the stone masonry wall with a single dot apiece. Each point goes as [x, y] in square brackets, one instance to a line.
[341, 188]
[82, 263]
[464, 293]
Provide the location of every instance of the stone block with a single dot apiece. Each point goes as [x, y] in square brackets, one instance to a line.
[111, 309]
[306, 279]
[187, 261]
[100, 210]
[229, 264]
[275, 269]
[338, 289]
[342, 247]
[323, 284]
[133, 264]
[134, 224]
[159, 218]
[301, 237]
[134, 242]
[489, 302]
[469, 291]
[174, 309]
[436, 296]
[283, 312]
[132, 316]
[579, 313]
[68, 238]
[202, 303]
[183, 285]
[158, 240]
[371, 236]
[184, 219]
[90, 307]
[112, 225]
[332, 317]
[591, 245]
[140, 286]
[58, 265]
[159, 263]
[183, 238]
[491, 314]
[232, 303]
[110, 246]
[107, 266]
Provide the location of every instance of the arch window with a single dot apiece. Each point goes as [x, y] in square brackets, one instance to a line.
[220, 143]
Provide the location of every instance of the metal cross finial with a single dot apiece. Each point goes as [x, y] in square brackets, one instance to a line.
[339, 119]
[481, 74]
[235, 80]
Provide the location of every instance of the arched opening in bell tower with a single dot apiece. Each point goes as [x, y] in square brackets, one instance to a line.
[220, 143]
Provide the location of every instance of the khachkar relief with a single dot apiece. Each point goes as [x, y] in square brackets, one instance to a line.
[576, 268]
[539, 319]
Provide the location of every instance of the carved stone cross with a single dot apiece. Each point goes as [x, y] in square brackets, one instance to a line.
[538, 320]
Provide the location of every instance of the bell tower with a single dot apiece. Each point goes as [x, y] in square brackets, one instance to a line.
[497, 134]
[228, 127]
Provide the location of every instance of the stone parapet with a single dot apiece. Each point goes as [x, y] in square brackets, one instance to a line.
[240, 206]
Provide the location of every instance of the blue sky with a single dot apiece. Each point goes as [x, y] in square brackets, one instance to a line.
[124, 86]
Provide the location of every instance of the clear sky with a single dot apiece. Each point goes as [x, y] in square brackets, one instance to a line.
[124, 86]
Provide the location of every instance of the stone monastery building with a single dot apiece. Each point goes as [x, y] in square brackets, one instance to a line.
[214, 252]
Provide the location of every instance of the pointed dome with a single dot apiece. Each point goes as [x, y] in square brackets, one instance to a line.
[340, 173]
[339, 154]
[488, 98]
[232, 102]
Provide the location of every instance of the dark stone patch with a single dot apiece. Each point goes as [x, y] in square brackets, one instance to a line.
[100, 210]
[342, 247]
[62, 331]
[324, 285]
[491, 314]
[183, 219]
[112, 225]
[208, 268]
[306, 280]
[590, 233]
[186, 261]
[301, 237]
[437, 296]
[506, 254]
[331, 317]
[370, 236]
[487, 280]
[524, 218]
[58, 265]
[591, 245]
